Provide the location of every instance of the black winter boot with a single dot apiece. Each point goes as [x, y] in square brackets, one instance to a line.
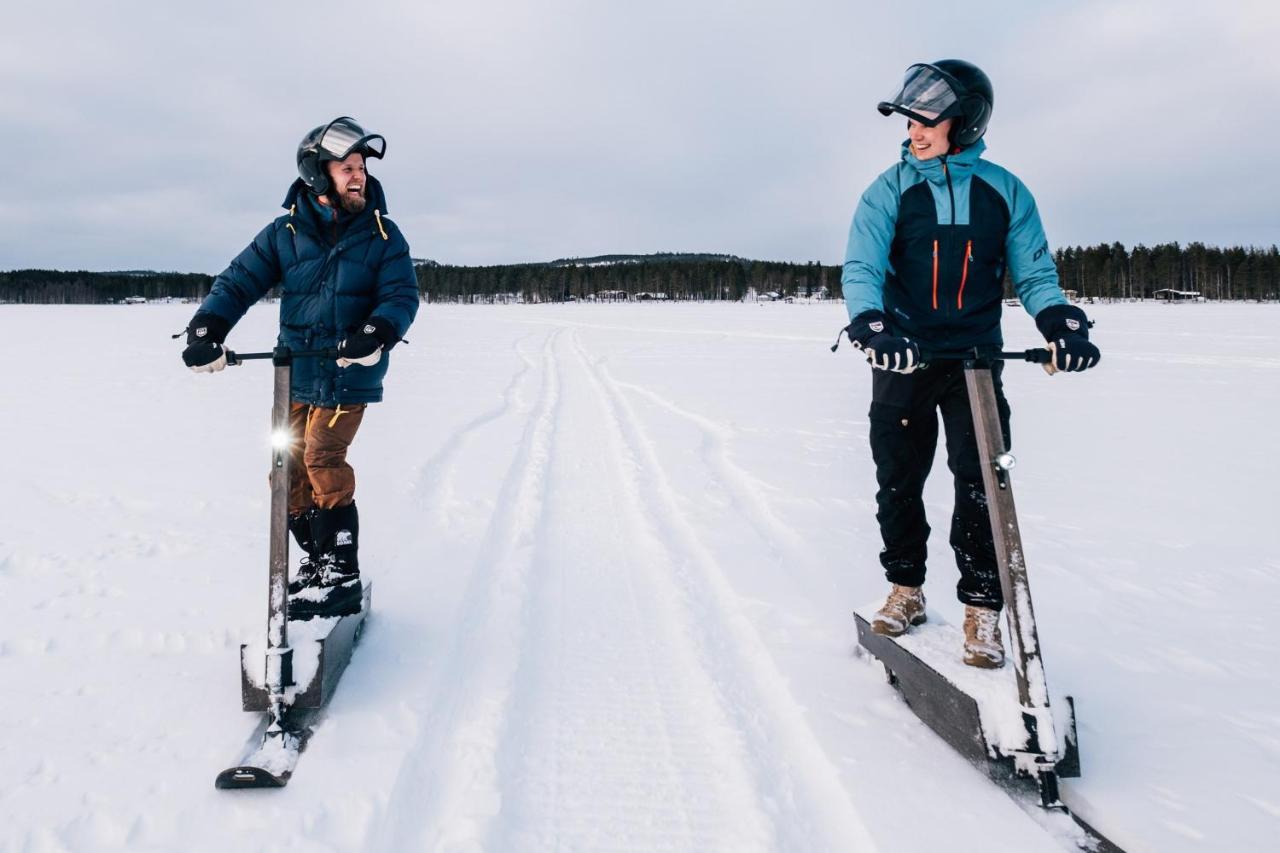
[336, 589]
[305, 575]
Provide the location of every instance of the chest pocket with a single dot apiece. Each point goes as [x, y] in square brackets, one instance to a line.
[980, 259]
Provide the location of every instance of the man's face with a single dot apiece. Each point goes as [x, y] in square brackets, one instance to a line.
[349, 182]
[928, 142]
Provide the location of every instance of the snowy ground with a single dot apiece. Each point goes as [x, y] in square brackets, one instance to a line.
[615, 551]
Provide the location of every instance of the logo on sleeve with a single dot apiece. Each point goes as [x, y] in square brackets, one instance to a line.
[369, 329]
[1073, 325]
[876, 326]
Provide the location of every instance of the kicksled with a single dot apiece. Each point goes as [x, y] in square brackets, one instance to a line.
[291, 678]
[1004, 722]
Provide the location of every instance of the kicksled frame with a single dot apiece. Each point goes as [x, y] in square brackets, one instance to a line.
[268, 684]
[939, 701]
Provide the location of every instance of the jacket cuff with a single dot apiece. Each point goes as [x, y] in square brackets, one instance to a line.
[1058, 320]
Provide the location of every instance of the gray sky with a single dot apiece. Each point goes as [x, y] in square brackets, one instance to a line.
[162, 134]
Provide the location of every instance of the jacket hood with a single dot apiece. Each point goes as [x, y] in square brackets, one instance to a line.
[932, 169]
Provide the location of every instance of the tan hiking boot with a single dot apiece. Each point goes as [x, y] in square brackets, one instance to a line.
[903, 608]
[982, 643]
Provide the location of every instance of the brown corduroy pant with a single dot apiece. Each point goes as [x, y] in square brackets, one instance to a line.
[319, 475]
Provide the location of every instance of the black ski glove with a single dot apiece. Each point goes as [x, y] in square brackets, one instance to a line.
[869, 333]
[205, 335]
[365, 345]
[1066, 328]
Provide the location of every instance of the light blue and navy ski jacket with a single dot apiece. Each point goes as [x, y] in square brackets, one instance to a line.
[929, 245]
[334, 274]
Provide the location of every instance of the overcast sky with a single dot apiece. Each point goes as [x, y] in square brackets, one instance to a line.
[161, 135]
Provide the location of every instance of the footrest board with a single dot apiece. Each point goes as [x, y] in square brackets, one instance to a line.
[975, 710]
[321, 650]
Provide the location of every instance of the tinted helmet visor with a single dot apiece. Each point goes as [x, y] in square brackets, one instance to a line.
[927, 95]
[343, 137]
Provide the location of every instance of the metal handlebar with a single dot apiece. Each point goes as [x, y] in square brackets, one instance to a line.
[280, 355]
[1038, 355]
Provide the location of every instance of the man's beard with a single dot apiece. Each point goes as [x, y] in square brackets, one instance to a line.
[352, 203]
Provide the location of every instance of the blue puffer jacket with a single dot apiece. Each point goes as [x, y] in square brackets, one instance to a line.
[333, 275]
[929, 245]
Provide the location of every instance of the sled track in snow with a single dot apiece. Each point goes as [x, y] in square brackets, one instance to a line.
[602, 687]
[617, 738]
[434, 481]
[795, 782]
[444, 793]
[741, 487]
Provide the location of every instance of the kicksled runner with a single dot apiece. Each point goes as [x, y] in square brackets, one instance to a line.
[291, 678]
[1004, 723]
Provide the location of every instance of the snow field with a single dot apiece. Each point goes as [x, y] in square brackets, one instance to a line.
[615, 549]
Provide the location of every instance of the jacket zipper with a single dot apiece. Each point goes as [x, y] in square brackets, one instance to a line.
[951, 196]
[951, 193]
[935, 275]
[964, 273]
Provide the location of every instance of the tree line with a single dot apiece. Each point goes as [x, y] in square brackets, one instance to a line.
[1114, 272]
[1106, 272]
[688, 277]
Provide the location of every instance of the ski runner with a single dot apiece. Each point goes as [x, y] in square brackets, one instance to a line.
[930, 243]
[347, 282]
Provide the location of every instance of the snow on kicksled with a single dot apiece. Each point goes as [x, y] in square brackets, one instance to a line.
[617, 548]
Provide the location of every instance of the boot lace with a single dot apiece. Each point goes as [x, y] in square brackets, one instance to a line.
[307, 573]
[901, 597]
[332, 571]
[985, 623]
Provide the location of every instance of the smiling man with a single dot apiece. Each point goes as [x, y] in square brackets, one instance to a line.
[347, 283]
[929, 248]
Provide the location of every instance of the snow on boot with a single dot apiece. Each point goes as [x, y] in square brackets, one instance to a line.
[305, 575]
[903, 608]
[982, 643]
[336, 589]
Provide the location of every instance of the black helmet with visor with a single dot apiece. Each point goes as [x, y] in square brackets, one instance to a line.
[948, 88]
[337, 140]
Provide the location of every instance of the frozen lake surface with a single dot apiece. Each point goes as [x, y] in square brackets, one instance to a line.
[615, 550]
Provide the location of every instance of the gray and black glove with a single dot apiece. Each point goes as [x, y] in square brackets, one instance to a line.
[205, 336]
[1066, 328]
[869, 333]
[365, 345]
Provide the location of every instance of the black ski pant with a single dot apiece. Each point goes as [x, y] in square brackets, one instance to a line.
[904, 437]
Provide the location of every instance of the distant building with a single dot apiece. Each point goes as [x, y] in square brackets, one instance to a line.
[1168, 294]
[610, 296]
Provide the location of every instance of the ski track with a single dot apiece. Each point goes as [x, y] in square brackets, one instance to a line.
[446, 791]
[782, 542]
[618, 741]
[599, 692]
[797, 785]
[434, 482]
